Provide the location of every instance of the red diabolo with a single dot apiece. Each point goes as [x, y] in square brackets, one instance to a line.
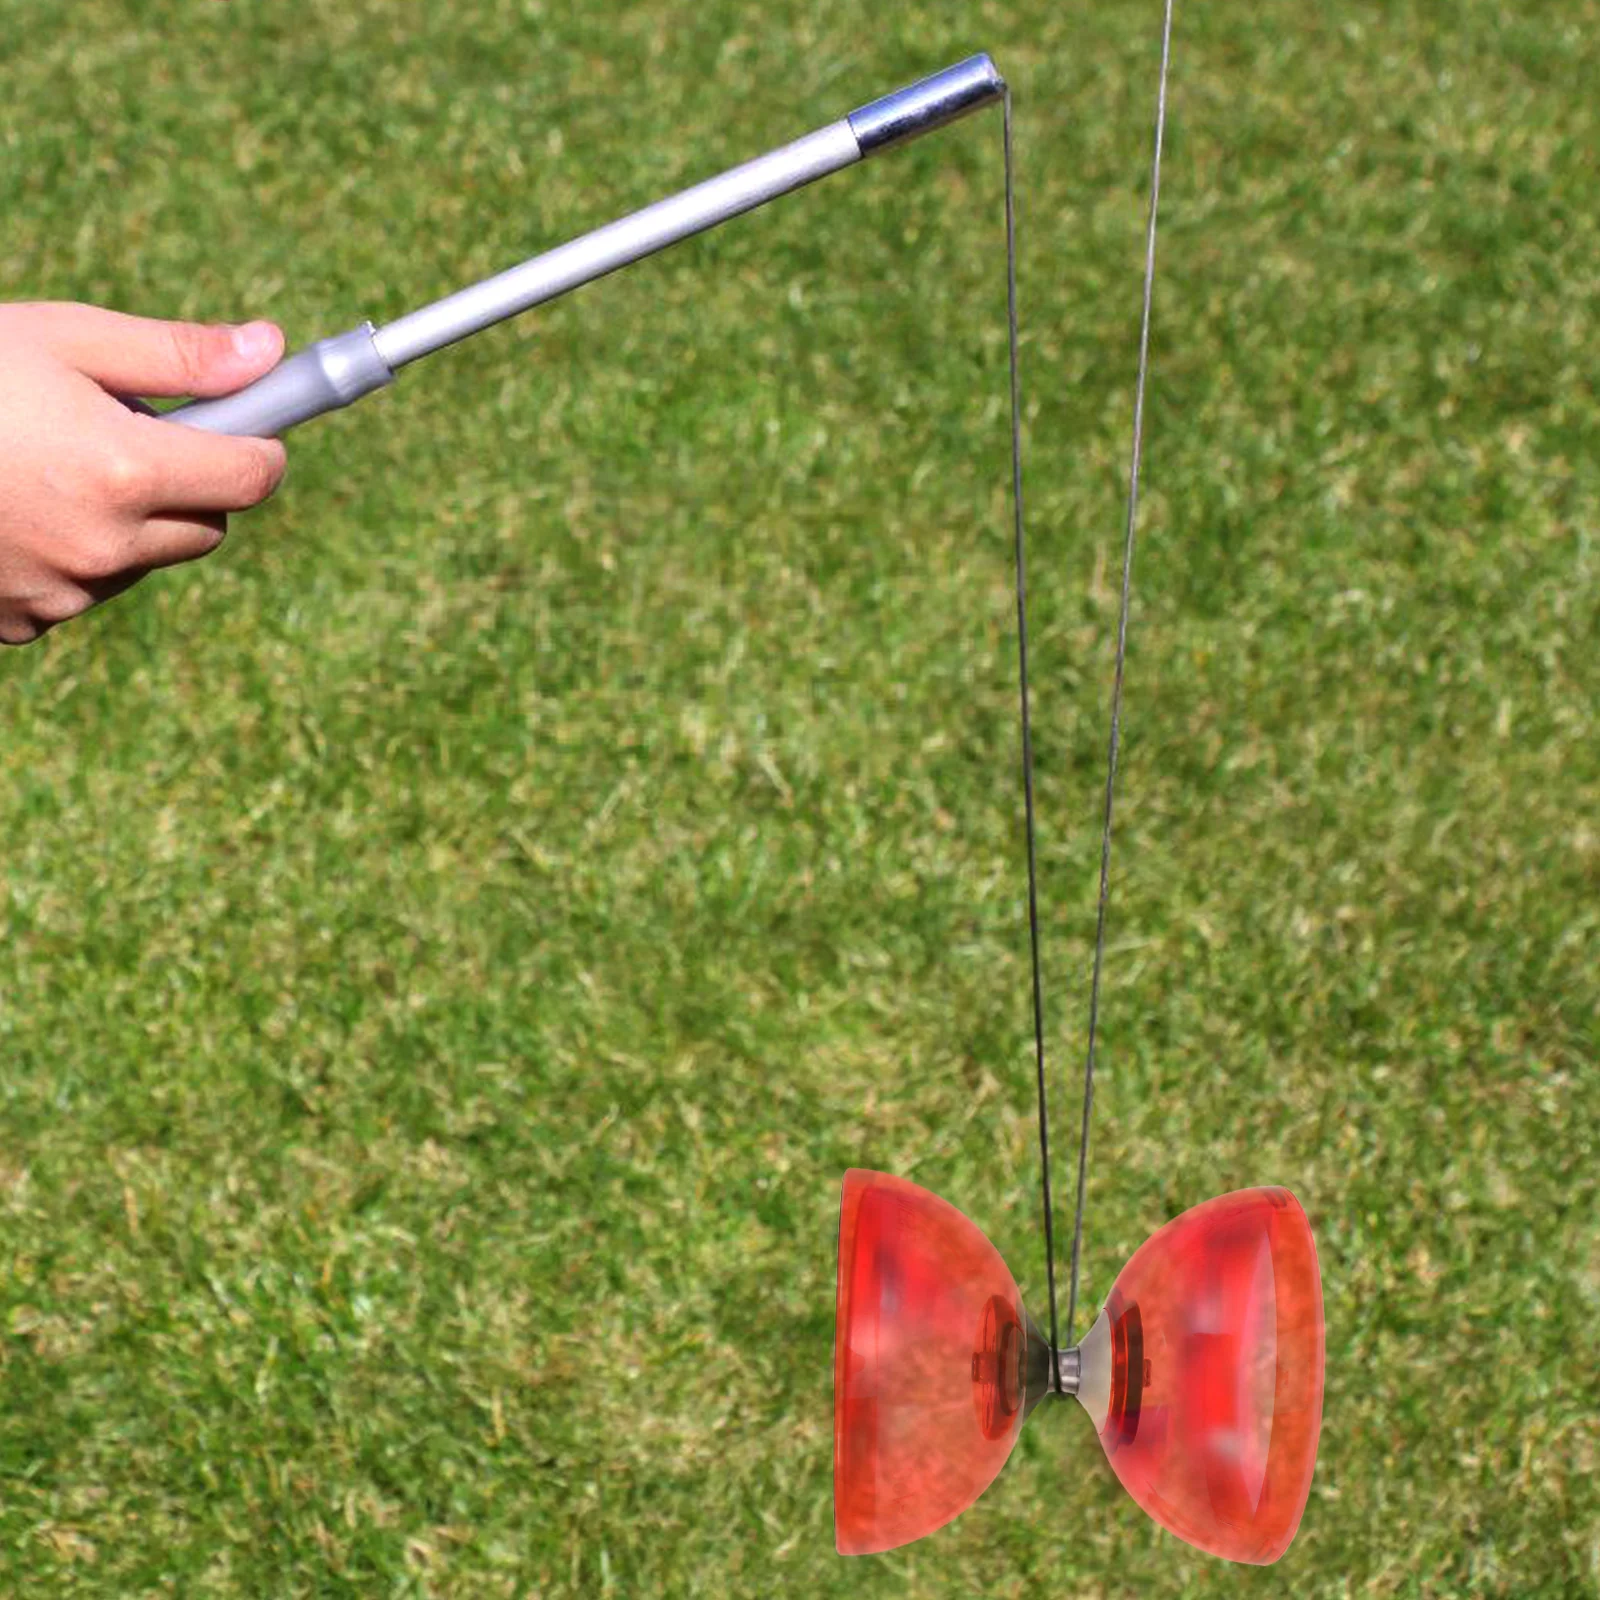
[1203, 1374]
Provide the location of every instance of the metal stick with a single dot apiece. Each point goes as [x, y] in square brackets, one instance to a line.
[336, 371]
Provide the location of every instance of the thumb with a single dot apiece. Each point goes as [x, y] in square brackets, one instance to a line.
[143, 355]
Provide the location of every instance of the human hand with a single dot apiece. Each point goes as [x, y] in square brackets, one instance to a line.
[95, 493]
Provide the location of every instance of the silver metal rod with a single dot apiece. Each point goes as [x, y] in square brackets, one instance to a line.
[565, 268]
[928, 104]
[892, 120]
[335, 372]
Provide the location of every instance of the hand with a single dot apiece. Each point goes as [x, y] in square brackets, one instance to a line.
[95, 493]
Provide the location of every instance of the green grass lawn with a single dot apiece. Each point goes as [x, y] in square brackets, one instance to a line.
[453, 941]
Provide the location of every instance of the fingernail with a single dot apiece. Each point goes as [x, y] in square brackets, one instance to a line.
[253, 340]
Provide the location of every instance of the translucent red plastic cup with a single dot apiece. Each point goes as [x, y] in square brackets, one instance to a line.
[928, 1364]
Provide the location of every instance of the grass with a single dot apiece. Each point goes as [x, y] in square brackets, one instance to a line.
[455, 938]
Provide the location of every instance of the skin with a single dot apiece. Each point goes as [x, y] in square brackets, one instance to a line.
[96, 491]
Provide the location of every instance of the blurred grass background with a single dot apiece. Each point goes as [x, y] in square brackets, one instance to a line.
[455, 939]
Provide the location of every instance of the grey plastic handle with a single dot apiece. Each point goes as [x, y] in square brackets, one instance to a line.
[322, 377]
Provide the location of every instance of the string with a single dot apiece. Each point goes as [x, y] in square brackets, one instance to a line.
[1027, 732]
[1122, 651]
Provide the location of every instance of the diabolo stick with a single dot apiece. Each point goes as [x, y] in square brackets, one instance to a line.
[334, 372]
